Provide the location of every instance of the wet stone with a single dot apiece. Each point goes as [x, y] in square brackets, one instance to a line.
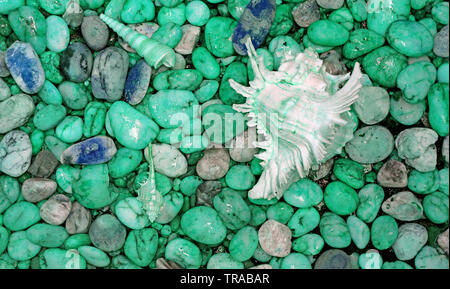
[96, 150]
[275, 238]
[56, 209]
[78, 220]
[393, 174]
[191, 35]
[73, 14]
[37, 189]
[76, 62]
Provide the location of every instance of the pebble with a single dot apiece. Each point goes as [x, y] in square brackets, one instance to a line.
[309, 244]
[384, 232]
[94, 256]
[137, 11]
[58, 35]
[243, 244]
[223, 261]
[275, 238]
[45, 235]
[43, 165]
[76, 62]
[55, 258]
[334, 259]
[411, 238]
[370, 260]
[232, 209]
[48, 116]
[430, 258]
[403, 206]
[107, 233]
[442, 241]
[141, 246]
[340, 198]
[304, 221]
[137, 82]
[25, 67]
[438, 113]
[361, 42]
[203, 225]
[20, 248]
[319, 31]
[373, 104]
[359, 231]
[4, 71]
[393, 174]
[15, 112]
[9, 192]
[73, 14]
[334, 230]
[407, 113]
[349, 172]
[206, 192]
[96, 150]
[423, 183]
[124, 162]
[436, 207]
[303, 194]
[168, 160]
[131, 213]
[95, 32]
[183, 252]
[410, 38]
[218, 36]
[30, 26]
[330, 4]
[79, 219]
[56, 209]
[191, 35]
[15, 153]
[20, 216]
[181, 79]
[416, 80]
[440, 47]
[37, 189]
[306, 13]
[240, 177]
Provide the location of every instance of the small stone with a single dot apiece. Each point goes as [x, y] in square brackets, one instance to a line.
[137, 82]
[306, 13]
[384, 232]
[372, 106]
[74, 14]
[137, 11]
[46, 235]
[304, 221]
[43, 165]
[181, 253]
[15, 112]
[442, 241]
[370, 260]
[334, 259]
[303, 194]
[334, 231]
[191, 35]
[410, 38]
[393, 174]
[403, 206]
[349, 172]
[36, 189]
[411, 238]
[94, 256]
[330, 4]
[319, 31]
[223, 261]
[56, 258]
[78, 220]
[95, 32]
[438, 103]
[436, 207]
[76, 62]
[361, 42]
[214, 164]
[359, 231]
[107, 233]
[275, 238]
[440, 47]
[340, 198]
[407, 113]
[58, 35]
[206, 192]
[242, 148]
[415, 81]
[168, 160]
[203, 225]
[96, 150]
[141, 246]
[430, 258]
[218, 36]
[15, 153]
[240, 177]
[56, 209]
[232, 209]
[9, 192]
[20, 216]
[20, 248]
[423, 183]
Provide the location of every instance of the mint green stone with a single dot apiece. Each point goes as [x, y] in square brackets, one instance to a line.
[340, 198]
[173, 108]
[303, 194]
[130, 127]
[55, 7]
[56, 258]
[283, 20]
[358, 8]
[243, 244]
[76, 241]
[429, 258]
[94, 118]
[267, 60]
[359, 231]
[131, 213]
[383, 65]
[315, 47]
[238, 72]
[169, 34]
[319, 32]
[381, 13]
[372, 105]
[20, 216]
[124, 162]
[349, 172]
[370, 260]
[204, 62]
[444, 180]
[48, 116]
[438, 105]
[9, 192]
[173, 203]
[240, 177]
[188, 185]
[55, 145]
[295, 261]
[203, 225]
[370, 144]
[304, 221]
[280, 212]
[45, 235]
[232, 209]
[396, 265]
[91, 190]
[197, 13]
[384, 232]
[223, 261]
[58, 35]
[141, 246]
[258, 216]
[10, 5]
[29, 25]
[440, 12]
[183, 252]
[218, 32]
[137, 11]
[94, 256]
[222, 123]
[423, 183]
[74, 95]
[50, 61]
[415, 81]
[334, 231]
[309, 244]
[406, 113]
[175, 14]
[435, 207]
[342, 16]
[114, 8]
[4, 238]
[20, 248]
[207, 90]
[411, 238]
[50, 94]
[443, 73]
[192, 144]
[70, 129]
[236, 7]
[66, 176]
[410, 38]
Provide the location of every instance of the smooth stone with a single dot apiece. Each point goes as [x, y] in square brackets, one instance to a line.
[203, 225]
[56, 209]
[330, 4]
[256, 13]
[381, 14]
[15, 153]
[396, 265]
[5, 91]
[275, 238]
[45, 235]
[190, 38]
[169, 34]
[319, 31]
[4, 239]
[25, 67]
[55, 145]
[240, 177]
[444, 181]
[109, 74]
[174, 14]
[423, 183]
[94, 118]
[189, 185]
[206, 192]
[15, 112]
[334, 231]
[243, 244]
[29, 26]
[372, 105]
[4, 71]
[207, 90]
[223, 261]
[445, 149]
[137, 11]
[361, 42]
[183, 252]
[340, 198]
[50, 94]
[403, 206]
[436, 207]
[173, 203]
[384, 232]
[306, 13]
[440, 47]
[76, 241]
[9, 192]
[370, 260]
[442, 241]
[222, 123]
[393, 174]
[107, 233]
[193, 144]
[411, 238]
[70, 129]
[426, 162]
[303, 194]
[95, 32]
[10, 5]
[96, 150]
[58, 35]
[304, 221]
[430, 258]
[130, 127]
[334, 259]
[438, 104]
[443, 73]
[295, 261]
[137, 82]
[48, 116]
[370, 144]
[214, 164]
[122, 262]
[78, 220]
[197, 13]
[74, 14]
[20, 248]
[124, 162]
[130, 212]
[141, 246]
[37, 139]
[94, 256]
[76, 62]
[359, 231]
[406, 113]
[205, 63]
[309, 244]
[410, 38]
[37, 189]
[416, 80]
[181, 79]
[413, 142]
[358, 8]
[218, 36]
[238, 72]
[53, 7]
[20, 216]
[349, 172]
[232, 209]
[168, 160]
[56, 258]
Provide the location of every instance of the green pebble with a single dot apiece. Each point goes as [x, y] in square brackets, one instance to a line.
[240, 177]
[66, 176]
[50, 61]
[411, 238]
[207, 90]
[76, 241]
[410, 38]
[4, 239]
[183, 252]
[203, 225]
[70, 129]
[309, 244]
[197, 13]
[141, 245]
[283, 20]
[94, 256]
[281, 47]
[223, 261]
[124, 162]
[50, 94]
[340, 198]
[304, 221]
[58, 35]
[94, 118]
[20, 216]
[137, 11]
[131, 213]
[48, 116]
[258, 216]
[238, 72]
[56, 258]
[334, 231]
[444, 180]
[53, 7]
[9, 192]
[423, 183]
[436, 207]
[429, 258]
[396, 265]
[372, 105]
[20, 248]
[406, 113]
[243, 244]
[359, 231]
[74, 95]
[295, 261]
[218, 32]
[381, 14]
[10, 5]
[349, 172]
[415, 81]
[169, 34]
[370, 260]
[315, 47]
[189, 185]
[173, 203]
[173, 108]
[175, 14]
[438, 104]
[358, 8]
[192, 144]
[443, 73]
[384, 232]
[91, 4]
[319, 32]
[204, 62]
[280, 212]
[232, 209]
[303, 194]
[342, 16]
[46, 235]
[440, 12]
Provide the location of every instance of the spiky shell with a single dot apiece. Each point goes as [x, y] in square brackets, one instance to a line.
[154, 52]
[301, 114]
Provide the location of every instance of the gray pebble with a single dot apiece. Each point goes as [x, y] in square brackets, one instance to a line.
[15, 112]
[334, 259]
[15, 153]
[306, 13]
[242, 148]
[275, 238]
[5, 91]
[37, 189]
[411, 237]
[440, 47]
[74, 14]
[445, 149]
[426, 162]
[332, 62]
[107, 233]
[214, 164]
[330, 4]
[162, 263]
[322, 170]
[403, 206]
[168, 160]
[443, 241]
[393, 174]
[191, 35]
[206, 192]
[56, 209]
[43, 165]
[95, 32]
[78, 220]
[4, 71]
[76, 62]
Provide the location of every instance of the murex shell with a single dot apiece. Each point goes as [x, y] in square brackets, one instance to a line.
[302, 115]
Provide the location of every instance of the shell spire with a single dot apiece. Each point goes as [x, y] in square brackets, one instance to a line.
[154, 52]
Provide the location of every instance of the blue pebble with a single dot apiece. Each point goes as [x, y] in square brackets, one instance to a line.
[96, 150]
[255, 22]
[137, 82]
[25, 67]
